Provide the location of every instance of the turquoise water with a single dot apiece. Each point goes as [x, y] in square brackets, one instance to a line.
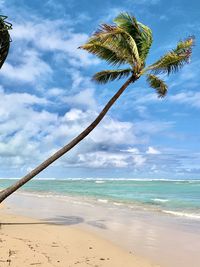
[179, 197]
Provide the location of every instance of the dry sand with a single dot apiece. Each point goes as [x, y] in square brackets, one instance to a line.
[28, 242]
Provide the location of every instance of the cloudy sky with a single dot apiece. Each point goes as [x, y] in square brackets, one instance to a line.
[47, 96]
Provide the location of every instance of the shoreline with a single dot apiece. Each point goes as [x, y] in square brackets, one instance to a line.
[26, 241]
[175, 197]
[91, 200]
[161, 238]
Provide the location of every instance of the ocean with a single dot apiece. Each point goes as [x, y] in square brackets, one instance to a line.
[175, 197]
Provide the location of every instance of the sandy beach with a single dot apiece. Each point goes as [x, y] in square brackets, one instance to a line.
[29, 242]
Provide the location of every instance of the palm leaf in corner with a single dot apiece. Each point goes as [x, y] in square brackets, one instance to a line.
[4, 39]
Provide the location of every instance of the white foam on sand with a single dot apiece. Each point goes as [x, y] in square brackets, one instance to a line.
[102, 200]
[183, 214]
[118, 204]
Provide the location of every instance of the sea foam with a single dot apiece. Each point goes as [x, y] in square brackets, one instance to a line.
[160, 200]
[183, 214]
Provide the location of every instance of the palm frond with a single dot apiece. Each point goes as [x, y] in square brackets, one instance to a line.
[146, 40]
[111, 75]
[139, 32]
[158, 84]
[4, 39]
[127, 22]
[175, 59]
[105, 52]
[116, 38]
[185, 47]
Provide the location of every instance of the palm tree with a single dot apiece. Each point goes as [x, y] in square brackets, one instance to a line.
[127, 42]
[4, 39]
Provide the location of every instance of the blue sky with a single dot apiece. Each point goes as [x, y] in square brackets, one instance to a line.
[47, 97]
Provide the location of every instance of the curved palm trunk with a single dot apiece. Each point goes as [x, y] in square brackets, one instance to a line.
[5, 193]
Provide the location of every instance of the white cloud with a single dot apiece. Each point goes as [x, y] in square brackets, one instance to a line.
[152, 127]
[148, 98]
[80, 94]
[115, 159]
[102, 159]
[136, 155]
[151, 150]
[189, 98]
[55, 92]
[29, 135]
[30, 69]
[79, 81]
[84, 98]
[112, 131]
[74, 115]
[54, 36]
[36, 42]
[188, 77]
